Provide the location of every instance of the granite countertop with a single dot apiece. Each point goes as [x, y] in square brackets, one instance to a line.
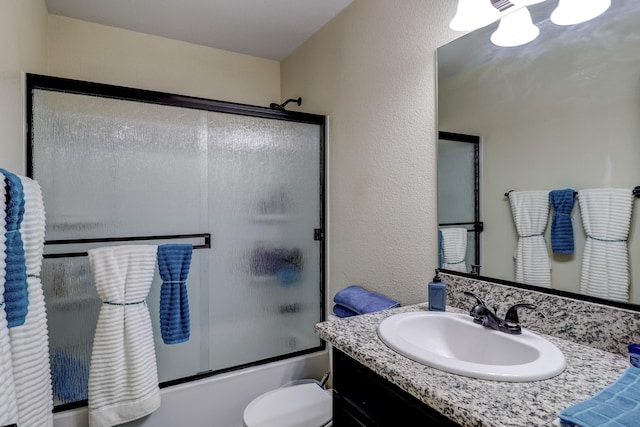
[472, 402]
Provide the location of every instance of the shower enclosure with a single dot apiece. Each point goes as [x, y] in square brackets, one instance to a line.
[459, 191]
[243, 184]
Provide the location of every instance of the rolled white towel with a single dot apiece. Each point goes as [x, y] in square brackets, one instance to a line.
[530, 210]
[606, 218]
[30, 341]
[454, 249]
[123, 376]
[8, 403]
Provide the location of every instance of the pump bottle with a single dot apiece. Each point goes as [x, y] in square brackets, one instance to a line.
[437, 294]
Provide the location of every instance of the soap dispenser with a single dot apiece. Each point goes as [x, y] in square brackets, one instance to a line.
[437, 294]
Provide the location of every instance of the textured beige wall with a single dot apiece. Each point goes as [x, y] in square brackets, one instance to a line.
[372, 70]
[23, 26]
[86, 51]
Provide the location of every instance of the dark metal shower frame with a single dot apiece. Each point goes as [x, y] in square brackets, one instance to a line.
[477, 225]
[58, 84]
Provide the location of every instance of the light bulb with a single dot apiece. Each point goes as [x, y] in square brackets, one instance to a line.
[515, 29]
[474, 14]
[570, 12]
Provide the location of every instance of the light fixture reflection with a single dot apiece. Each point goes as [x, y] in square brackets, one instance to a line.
[515, 29]
[570, 12]
[474, 14]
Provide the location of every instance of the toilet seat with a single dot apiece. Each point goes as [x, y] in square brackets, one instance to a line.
[304, 405]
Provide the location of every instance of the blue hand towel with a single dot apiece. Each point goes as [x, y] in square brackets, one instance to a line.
[361, 301]
[16, 294]
[440, 248]
[174, 261]
[342, 311]
[617, 405]
[561, 227]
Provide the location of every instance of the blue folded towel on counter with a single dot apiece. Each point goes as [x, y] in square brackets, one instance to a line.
[342, 311]
[16, 294]
[617, 405]
[174, 261]
[561, 227]
[358, 300]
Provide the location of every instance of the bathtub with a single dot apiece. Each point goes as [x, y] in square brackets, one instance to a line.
[217, 401]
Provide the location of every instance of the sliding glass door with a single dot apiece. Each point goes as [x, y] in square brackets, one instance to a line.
[243, 184]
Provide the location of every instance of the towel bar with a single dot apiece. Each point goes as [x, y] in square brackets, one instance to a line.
[206, 237]
[635, 192]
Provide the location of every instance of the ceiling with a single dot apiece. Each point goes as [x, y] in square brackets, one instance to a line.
[265, 28]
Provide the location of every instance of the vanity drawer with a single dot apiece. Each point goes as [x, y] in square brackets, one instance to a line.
[363, 398]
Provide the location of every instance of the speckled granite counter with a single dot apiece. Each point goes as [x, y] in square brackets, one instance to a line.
[472, 402]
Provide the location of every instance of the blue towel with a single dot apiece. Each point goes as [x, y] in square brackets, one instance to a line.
[617, 405]
[342, 311]
[561, 227]
[16, 294]
[174, 261]
[69, 375]
[440, 248]
[361, 301]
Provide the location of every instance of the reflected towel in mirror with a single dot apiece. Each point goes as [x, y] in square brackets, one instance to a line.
[454, 249]
[530, 210]
[606, 218]
[562, 201]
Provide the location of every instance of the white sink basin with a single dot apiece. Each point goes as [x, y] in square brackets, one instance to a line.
[453, 343]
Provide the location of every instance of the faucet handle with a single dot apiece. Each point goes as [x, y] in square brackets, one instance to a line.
[478, 299]
[479, 310]
[512, 314]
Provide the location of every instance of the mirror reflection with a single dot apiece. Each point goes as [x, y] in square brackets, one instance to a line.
[559, 113]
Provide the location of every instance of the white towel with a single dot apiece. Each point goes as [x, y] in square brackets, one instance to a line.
[30, 341]
[606, 218]
[454, 249]
[123, 377]
[530, 210]
[8, 403]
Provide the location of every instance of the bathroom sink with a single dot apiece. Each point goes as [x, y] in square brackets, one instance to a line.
[451, 342]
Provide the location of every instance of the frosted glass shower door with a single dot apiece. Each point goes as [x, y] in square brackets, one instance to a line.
[120, 171]
[110, 168]
[265, 263]
[458, 190]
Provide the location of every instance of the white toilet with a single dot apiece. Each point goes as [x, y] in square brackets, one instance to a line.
[302, 405]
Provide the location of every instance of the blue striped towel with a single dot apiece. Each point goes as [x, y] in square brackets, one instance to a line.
[16, 294]
[360, 301]
[174, 261]
[561, 227]
[617, 405]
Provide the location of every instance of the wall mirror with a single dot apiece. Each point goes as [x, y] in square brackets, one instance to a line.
[561, 112]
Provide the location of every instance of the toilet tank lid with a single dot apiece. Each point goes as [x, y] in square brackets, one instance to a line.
[300, 405]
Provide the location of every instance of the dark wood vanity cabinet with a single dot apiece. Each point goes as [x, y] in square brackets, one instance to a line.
[363, 398]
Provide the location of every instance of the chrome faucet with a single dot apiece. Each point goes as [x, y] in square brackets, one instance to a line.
[482, 315]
